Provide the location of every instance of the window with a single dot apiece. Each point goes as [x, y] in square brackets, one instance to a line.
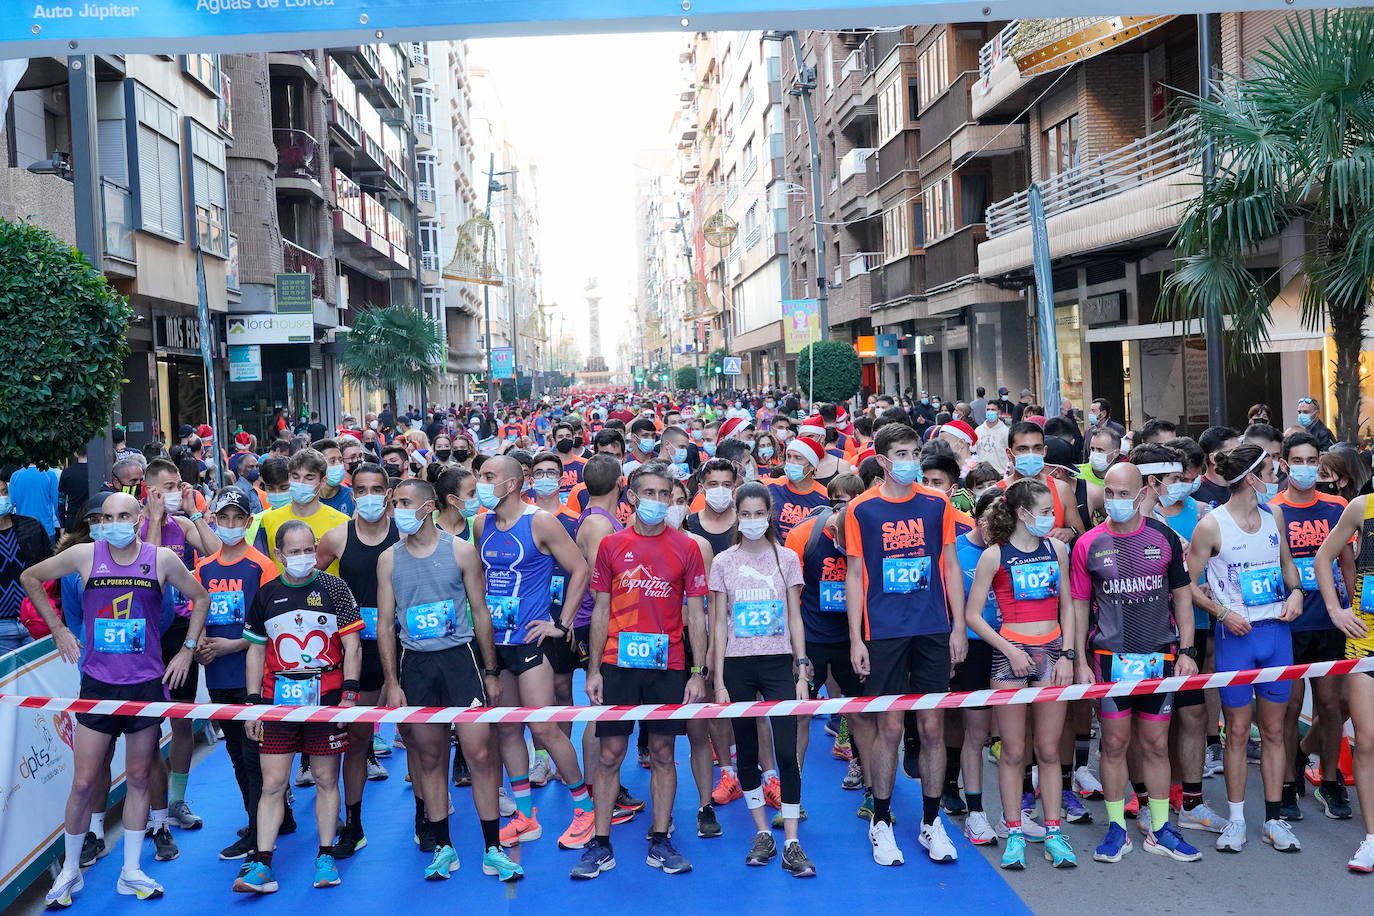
[204, 69]
[937, 202]
[934, 70]
[913, 99]
[918, 225]
[896, 234]
[208, 189]
[154, 140]
[1060, 147]
[429, 236]
[425, 169]
[433, 298]
[891, 111]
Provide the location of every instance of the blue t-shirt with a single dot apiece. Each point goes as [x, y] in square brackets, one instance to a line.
[1307, 527]
[342, 501]
[969, 555]
[1183, 524]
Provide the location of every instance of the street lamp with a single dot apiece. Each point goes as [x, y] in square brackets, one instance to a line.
[720, 231]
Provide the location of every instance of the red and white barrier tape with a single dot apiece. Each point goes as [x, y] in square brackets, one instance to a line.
[421, 715]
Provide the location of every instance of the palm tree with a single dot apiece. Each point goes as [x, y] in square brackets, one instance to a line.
[393, 347]
[1294, 140]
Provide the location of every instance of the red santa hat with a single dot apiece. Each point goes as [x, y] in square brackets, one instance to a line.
[813, 425]
[808, 449]
[733, 428]
[204, 431]
[243, 440]
[352, 434]
[962, 430]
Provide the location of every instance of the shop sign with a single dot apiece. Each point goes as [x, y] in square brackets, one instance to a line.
[293, 293]
[886, 345]
[1104, 309]
[266, 328]
[177, 332]
[245, 363]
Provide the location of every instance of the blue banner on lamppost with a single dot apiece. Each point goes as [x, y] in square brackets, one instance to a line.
[1044, 303]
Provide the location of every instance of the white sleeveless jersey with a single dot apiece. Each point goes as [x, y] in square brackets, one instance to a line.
[1246, 575]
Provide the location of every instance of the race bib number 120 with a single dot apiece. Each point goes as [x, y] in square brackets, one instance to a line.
[906, 574]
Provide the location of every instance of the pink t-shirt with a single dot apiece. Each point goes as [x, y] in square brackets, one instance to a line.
[755, 587]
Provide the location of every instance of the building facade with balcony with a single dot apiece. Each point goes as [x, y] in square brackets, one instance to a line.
[163, 127]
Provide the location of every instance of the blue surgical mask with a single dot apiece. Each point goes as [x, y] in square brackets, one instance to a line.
[651, 511]
[486, 495]
[546, 486]
[647, 445]
[1196, 484]
[252, 475]
[1092, 419]
[1040, 525]
[334, 475]
[1029, 465]
[118, 534]
[277, 500]
[680, 455]
[302, 492]
[1270, 491]
[6, 505]
[1304, 419]
[96, 531]
[795, 472]
[766, 452]
[991, 416]
[371, 506]
[1303, 476]
[408, 521]
[471, 507]
[230, 536]
[709, 448]
[1119, 510]
[906, 472]
[1176, 493]
[925, 400]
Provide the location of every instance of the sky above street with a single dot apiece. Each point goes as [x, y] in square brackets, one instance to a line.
[585, 107]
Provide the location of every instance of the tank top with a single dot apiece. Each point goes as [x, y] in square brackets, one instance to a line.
[430, 598]
[584, 612]
[174, 539]
[1054, 495]
[518, 577]
[1362, 602]
[720, 542]
[358, 569]
[1027, 584]
[122, 618]
[1245, 574]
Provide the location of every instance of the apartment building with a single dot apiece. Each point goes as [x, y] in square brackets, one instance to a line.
[661, 271]
[164, 127]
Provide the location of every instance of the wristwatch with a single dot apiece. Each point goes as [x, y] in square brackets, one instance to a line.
[701, 670]
[1070, 654]
[189, 644]
[351, 695]
[1190, 651]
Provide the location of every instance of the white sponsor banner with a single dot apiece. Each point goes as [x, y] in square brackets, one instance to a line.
[269, 328]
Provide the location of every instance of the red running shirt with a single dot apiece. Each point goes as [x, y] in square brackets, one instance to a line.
[648, 579]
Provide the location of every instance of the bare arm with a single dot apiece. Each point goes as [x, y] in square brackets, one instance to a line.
[695, 609]
[718, 640]
[954, 597]
[386, 630]
[552, 538]
[1292, 579]
[331, 546]
[596, 645]
[1337, 544]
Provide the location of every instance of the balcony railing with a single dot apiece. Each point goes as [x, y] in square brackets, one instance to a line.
[1144, 160]
[296, 259]
[419, 54]
[731, 195]
[429, 261]
[995, 51]
[753, 237]
[118, 220]
[747, 102]
[954, 257]
[946, 114]
[750, 168]
[422, 124]
[863, 263]
[426, 192]
[854, 162]
[298, 153]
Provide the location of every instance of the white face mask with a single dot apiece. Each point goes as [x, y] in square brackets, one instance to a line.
[301, 564]
[172, 501]
[675, 516]
[754, 528]
[719, 498]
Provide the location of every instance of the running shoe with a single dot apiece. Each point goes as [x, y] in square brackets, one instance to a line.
[1202, 817]
[496, 862]
[92, 848]
[134, 883]
[398, 741]
[375, 771]
[1232, 837]
[1133, 805]
[521, 829]
[1028, 804]
[662, 855]
[778, 820]
[649, 834]
[1087, 784]
[796, 862]
[379, 746]
[953, 802]
[445, 862]
[424, 835]
[1144, 820]
[978, 830]
[462, 776]
[505, 802]
[1167, 841]
[865, 811]
[181, 815]
[885, 851]
[1278, 834]
[935, 841]
[541, 770]
[1290, 812]
[854, 777]
[580, 831]
[68, 882]
[843, 748]
[911, 758]
[1253, 752]
[255, 878]
[763, 851]
[1074, 811]
[834, 724]
[304, 777]
[1058, 852]
[644, 758]
[1114, 845]
[727, 789]
[707, 825]
[622, 814]
[326, 872]
[772, 792]
[165, 847]
[1176, 796]
[1363, 859]
[1014, 858]
[288, 822]
[1031, 829]
[994, 753]
[1335, 804]
[595, 859]
[1213, 760]
[239, 849]
[350, 841]
[624, 799]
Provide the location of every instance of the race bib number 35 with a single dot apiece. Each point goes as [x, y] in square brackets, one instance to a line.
[906, 574]
[226, 609]
[1260, 586]
[120, 637]
[1035, 580]
[289, 691]
[758, 618]
[430, 621]
[642, 650]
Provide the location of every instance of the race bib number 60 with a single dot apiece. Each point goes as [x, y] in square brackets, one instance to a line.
[642, 650]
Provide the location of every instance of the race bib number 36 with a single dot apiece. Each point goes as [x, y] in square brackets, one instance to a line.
[642, 650]
[1260, 586]
[1035, 580]
[430, 621]
[906, 574]
[758, 618]
[289, 691]
[226, 609]
[120, 637]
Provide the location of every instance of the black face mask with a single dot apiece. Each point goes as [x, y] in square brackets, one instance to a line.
[564, 445]
[353, 465]
[461, 454]
[393, 470]
[578, 443]
[443, 454]
[1328, 487]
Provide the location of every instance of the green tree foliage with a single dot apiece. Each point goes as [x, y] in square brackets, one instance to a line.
[62, 347]
[393, 347]
[837, 375]
[685, 378]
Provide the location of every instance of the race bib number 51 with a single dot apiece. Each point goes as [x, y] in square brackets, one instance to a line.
[119, 637]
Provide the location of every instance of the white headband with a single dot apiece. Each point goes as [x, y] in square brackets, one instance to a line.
[1246, 472]
[1163, 467]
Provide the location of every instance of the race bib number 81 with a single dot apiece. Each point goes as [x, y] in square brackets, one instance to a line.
[1260, 586]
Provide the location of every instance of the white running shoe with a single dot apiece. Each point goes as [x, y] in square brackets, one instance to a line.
[1232, 838]
[541, 770]
[136, 884]
[885, 851]
[1032, 830]
[304, 777]
[935, 841]
[978, 830]
[1144, 821]
[1363, 859]
[507, 804]
[1203, 818]
[1278, 834]
[69, 882]
[376, 771]
[1087, 783]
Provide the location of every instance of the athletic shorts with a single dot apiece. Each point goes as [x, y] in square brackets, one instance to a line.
[370, 678]
[975, 671]
[153, 691]
[1269, 643]
[832, 658]
[637, 687]
[1185, 698]
[561, 655]
[321, 739]
[907, 664]
[444, 677]
[1318, 646]
[1043, 651]
[1146, 706]
[519, 658]
[581, 636]
[172, 639]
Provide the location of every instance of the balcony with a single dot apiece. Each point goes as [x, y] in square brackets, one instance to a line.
[896, 158]
[853, 106]
[296, 259]
[424, 132]
[294, 63]
[855, 162]
[946, 115]
[747, 102]
[117, 218]
[954, 258]
[299, 161]
[752, 237]
[861, 264]
[750, 169]
[349, 228]
[419, 62]
[897, 283]
[427, 197]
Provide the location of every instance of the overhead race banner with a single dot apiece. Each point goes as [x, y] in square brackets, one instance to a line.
[30, 28]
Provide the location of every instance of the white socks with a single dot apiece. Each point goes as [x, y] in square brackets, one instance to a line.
[754, 797]
[1237, 812]
[791, 811]
[98, 825]
[159, 819]
[133, 848]
[71, 842]
[769, 774]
